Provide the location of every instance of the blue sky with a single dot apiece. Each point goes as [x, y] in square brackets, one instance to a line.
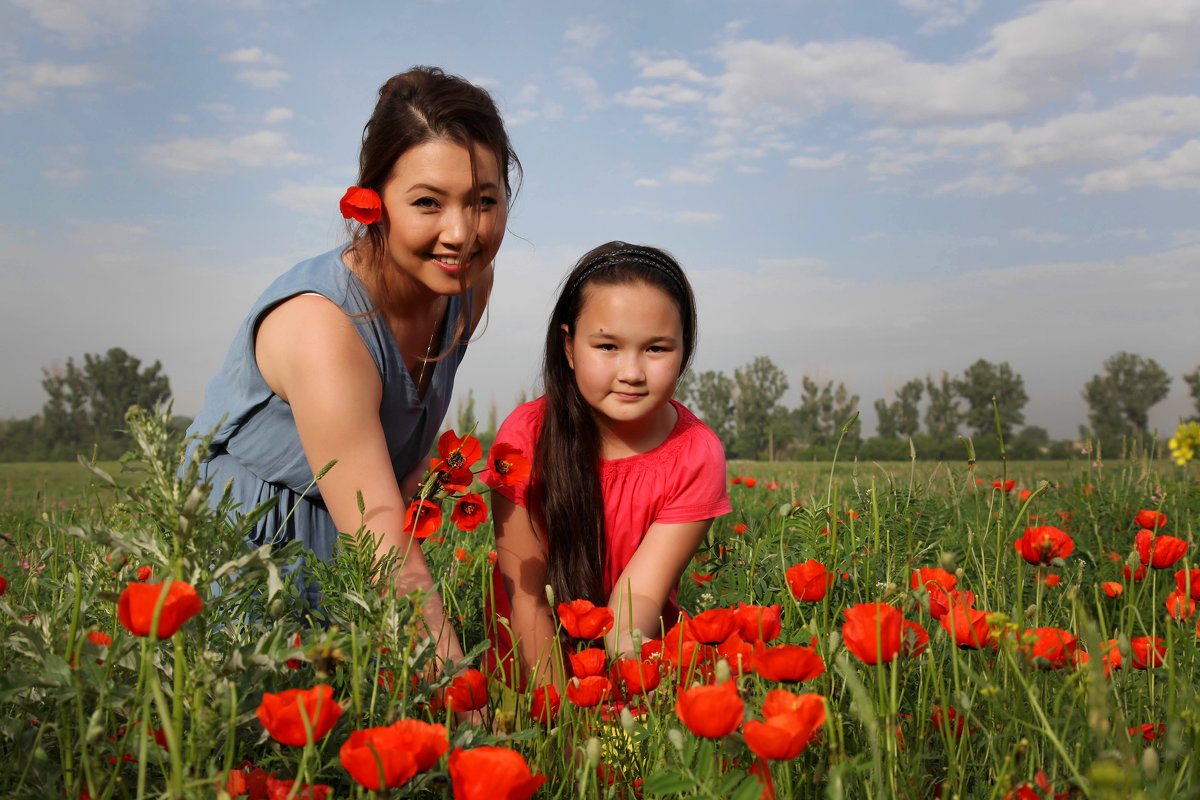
[864, 192]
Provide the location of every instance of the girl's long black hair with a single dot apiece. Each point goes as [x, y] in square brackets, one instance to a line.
[566, 502]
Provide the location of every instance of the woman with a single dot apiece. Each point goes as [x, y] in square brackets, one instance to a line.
[350, 356]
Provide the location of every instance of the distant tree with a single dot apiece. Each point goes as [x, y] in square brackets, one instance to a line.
[87, 404]
[822, 412]
[1029, 444]
[1192, 379]
[1120, 399]
[685, 387]
[714, 405]
[466, 414]
[759, 385]
[885, 425]
[844, 406]
[900, 417]
[942, 415]
[984, 380]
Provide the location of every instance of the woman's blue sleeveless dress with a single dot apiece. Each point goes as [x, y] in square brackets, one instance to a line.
[257, 445]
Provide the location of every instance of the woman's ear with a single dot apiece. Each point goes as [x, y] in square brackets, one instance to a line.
[568, 345]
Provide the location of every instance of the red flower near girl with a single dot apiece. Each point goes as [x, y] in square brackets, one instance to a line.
[914, 639]
[710, 711]
[1043, 544]
[135, 607]
[377, 759]
[762, 623]
[583, 620]
[968, 626]
[422, 519]
[712, 626]
[544, 704]
[1007, 486]
[1147, 652]
[467, 692]
[930, 578]
[785, 734]
[1159, 552]
[638, 677]
[1054, 646]
[1188, 581]
[1112, 588]
[509, 465]
[361, 204]
[469, 512]
[872, 632]
[1150, 519]
[809, 581]
[588, 662]
[427, 742]
[787, 662]
[492, 773]
[590, 691]
[281, 714]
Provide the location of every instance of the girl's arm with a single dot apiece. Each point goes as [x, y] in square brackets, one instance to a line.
[642, 590]
[522, 563]
[311, 356]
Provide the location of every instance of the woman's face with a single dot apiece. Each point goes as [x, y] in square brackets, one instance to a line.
[430, 210]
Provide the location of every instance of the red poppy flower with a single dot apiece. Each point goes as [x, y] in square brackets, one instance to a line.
[1110, 656]
[1040, 789]
[785, 735]
[144, 572]
[710, 711]
[135, 607]
[285, 790]
[638, 677]
[469, 512]
[584, 620]
[914, 639]
[1150, 519]
[809, 581]
[940, 602]
[757, 623]
[700, 578]
[1025, 495]
[750, 482]
[740, 528]
[1049, 579]
[712, 626]
[247, 780]
[3, 585]
[1149, 731]
[1007, 486]
[1134, 575]
[459, 451]
[738, 479]
[947, 719]
[1160, 551]
[1043, 544]
[492, 773]
[1147, 652]
[450, 481]
[588, 662]
[590, 691]
[1054, 646]
[738, 654]
[461, 555]
[280, 714]
[467, 692]
[544, 703]
[422, 519]
[932, 577]
[509, 466]
[100, 638]
[1180, 606]
[967, 626]
[1188, 581]
[1112, 588]
[872, 632]
[761, 770]
[427, 742]
[361, 204]
[377, 759]
[787, 662]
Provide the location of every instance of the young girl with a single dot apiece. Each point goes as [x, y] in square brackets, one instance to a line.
[351, 355]
[625, 481]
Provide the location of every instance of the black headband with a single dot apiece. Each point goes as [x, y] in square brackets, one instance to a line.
[629, 256]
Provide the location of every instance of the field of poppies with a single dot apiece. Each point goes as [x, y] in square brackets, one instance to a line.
[916, 631]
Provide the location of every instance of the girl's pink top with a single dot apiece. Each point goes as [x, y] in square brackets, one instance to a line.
[681, 480]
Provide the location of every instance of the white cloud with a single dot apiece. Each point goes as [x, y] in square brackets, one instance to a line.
[262, 78]
[942, 14]
[250, 55]
[585, 86]
[586, 35]
[980, 184]
[807, 162]
[1179, 170]
[277, 114]
[682, 175]
[261, 149]
[79, 23]
[649, 183]
[65, 177]
[668, 69]
[315, 200]
[1040, 237]
[65, 76]
[659, 96]
[697, 217]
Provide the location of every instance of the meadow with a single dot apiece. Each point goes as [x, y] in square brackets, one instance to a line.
[910, 630]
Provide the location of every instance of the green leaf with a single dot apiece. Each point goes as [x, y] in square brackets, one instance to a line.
[663, 782]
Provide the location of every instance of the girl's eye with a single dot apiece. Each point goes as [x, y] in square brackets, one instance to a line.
[487, 202]
[425, 202]
[606, 347]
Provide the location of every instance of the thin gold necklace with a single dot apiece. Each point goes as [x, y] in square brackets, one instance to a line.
[425, 358]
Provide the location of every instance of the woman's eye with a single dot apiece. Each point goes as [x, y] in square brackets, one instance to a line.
[425, 202]
[487, 202]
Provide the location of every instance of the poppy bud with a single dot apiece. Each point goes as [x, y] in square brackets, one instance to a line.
[835, 639]
[593, 752]
[277, 607]
[949, 562]
[676, 737]
[1150, 764]
[721, 673]
[1029, 612]
[626, 720]
[550, 595]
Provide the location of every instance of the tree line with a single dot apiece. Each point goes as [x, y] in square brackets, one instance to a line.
[84, 412]
[749, 414]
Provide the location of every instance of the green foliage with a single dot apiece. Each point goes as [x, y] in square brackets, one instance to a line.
[1120, 399]
[942, 414]
[714, 405]
[822, 412]
[758, 387]
[1192, 380]
[984, 383]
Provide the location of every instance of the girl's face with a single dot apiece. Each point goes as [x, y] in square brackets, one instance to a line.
[626, 351]
[429, 210]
